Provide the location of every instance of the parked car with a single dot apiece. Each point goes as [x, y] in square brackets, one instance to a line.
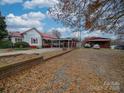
[87, 45]
[113, 46]
[96, 46]
[121, 47]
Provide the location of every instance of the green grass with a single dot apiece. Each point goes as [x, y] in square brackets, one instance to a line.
[21, 49]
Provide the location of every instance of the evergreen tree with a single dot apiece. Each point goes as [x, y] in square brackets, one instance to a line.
[3, 31]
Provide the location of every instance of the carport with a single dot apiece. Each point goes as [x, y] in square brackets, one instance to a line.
[103, 42]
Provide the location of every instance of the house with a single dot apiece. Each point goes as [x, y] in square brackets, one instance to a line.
[37, 39]
[15, 37]
[103, 42]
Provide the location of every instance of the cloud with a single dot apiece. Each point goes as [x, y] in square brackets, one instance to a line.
[39, 3]
[76, 34]
[10, 1]
[85, 34]
[61, 29]
[25, 21]
[65, 31]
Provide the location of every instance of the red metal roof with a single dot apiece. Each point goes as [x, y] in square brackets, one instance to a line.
[15, 34]
[47, 36]
[88, 39]
[100, 40]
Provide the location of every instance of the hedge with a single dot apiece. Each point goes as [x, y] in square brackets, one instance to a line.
[21, 45]
[6, 44]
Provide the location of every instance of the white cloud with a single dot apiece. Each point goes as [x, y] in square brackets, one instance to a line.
[25, 21]
[94, 33]
[10, 1]
[76, 34]
[65, 31]
[39, 3]
[61, 29]
[34, 16]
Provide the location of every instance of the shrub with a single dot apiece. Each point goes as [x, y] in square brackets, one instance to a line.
[21, 45]
[6, 44]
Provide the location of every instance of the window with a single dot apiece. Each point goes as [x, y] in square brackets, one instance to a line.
[34, 40]
[18, 40]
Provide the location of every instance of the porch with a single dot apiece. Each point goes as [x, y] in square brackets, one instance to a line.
[58, 43]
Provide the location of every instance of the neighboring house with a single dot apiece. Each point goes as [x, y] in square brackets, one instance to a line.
[103, 42]
[15, 37]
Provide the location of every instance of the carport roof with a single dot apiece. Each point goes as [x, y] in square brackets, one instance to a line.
[100, 40]
[96, 39]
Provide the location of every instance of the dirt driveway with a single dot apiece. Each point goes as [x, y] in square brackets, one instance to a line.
[81, 71]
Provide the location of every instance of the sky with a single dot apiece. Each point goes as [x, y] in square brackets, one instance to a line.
[22, 15]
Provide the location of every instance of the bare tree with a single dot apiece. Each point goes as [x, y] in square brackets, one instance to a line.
[104, 15]
[56, 33]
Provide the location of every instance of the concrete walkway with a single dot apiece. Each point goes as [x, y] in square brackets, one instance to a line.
[39, 51]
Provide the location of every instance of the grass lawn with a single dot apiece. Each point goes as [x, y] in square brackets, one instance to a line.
[17, 49]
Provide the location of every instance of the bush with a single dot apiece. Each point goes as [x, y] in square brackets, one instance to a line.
[6, 44]
[21, 45]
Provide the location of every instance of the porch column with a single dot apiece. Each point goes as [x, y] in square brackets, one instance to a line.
[51, 43]
[41, 43]
[63, 43]
[71, 43]
[59, 44]
[68, 43]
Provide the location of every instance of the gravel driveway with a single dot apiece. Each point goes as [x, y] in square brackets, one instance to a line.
[80, 71]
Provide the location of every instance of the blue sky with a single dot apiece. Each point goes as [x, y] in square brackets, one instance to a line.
[18, 9]
[22, 15]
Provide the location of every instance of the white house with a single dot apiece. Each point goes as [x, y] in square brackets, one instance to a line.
[36, 38]
[32, 37]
